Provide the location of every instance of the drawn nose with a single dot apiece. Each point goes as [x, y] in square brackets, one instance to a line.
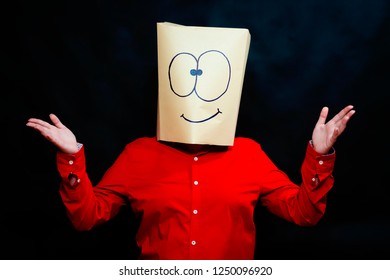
[196, 72]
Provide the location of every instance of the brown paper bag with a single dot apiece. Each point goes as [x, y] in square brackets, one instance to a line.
[200, 75]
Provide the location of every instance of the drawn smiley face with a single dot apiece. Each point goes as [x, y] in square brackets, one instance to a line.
[208, 76]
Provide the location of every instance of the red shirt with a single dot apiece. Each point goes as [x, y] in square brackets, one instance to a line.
[195, 206]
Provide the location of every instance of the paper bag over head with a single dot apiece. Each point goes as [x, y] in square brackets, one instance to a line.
[200, 75]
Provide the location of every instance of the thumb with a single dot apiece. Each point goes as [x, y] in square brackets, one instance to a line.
[56, 121]
[323, 116]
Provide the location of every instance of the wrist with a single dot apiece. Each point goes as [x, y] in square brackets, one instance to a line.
[321, 151]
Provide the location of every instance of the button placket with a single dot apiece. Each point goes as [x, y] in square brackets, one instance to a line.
[195, 204]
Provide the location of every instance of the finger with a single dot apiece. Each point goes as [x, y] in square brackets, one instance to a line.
[342, 113]
[341, 125]
[38, 127]
[344, 120]
[348, 116]
[323, 116]
[37, 122]
[56, 121]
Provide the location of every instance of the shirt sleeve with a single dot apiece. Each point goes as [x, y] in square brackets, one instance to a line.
[302, 204]
[87, 205]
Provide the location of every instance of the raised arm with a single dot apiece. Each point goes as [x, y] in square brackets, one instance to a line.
[305, 205]
[87, 206]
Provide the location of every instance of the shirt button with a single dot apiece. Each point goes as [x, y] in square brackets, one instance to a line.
[193, 242]
[195, 158]
[195, 211]
[320, 162]
[78, 180]
[313, 179]
[71, 162]
[196, 183]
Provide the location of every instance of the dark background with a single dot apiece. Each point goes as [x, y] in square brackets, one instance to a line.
[94, 64]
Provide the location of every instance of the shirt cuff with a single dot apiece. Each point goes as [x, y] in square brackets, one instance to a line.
[319, 162]
[79, 146]
[71, 166]
[331, 151]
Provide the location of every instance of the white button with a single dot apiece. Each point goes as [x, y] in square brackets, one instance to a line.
[78, 180]
[313, 179]
[71, 162]
[196, 183]
[195, 211]
[195, 158]
[193, 242]
[320, 162]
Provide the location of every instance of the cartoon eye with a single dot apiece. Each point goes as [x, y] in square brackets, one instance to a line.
[208, 76]
[181, 72]
[216, 76]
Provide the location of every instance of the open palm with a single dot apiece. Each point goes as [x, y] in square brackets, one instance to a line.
[57, 133]
[325, 133]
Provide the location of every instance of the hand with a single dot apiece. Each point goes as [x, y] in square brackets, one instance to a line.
[58, 134]
[325, 134]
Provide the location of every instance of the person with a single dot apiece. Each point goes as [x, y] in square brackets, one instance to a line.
[195, 199]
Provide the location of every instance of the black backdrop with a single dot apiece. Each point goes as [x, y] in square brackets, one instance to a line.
[94, 64]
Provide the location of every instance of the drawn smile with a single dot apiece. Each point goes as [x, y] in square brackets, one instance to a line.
[199, 121]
